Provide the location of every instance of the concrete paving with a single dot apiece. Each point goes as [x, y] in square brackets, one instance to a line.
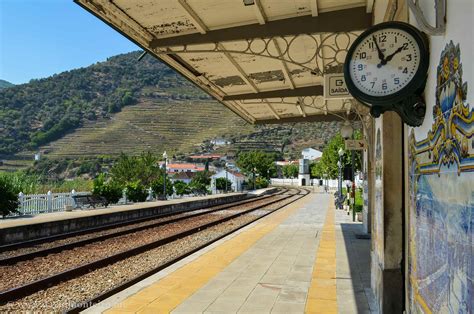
[304, 258]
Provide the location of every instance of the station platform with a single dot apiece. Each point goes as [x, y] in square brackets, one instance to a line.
[302, 258]
[17, 229]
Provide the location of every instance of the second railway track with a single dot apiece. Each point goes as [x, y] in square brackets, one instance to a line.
[55, 270]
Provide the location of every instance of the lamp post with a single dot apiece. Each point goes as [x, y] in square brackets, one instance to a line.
[165, 157]
[254, 170]
[225, 166]
[339, 164]
[347, 132]
[325, 182]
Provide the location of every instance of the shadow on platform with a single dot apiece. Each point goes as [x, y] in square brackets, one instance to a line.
[353, 271]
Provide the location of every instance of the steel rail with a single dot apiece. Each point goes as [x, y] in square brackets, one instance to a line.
[18, 245]
[63, 247]
[29, 288]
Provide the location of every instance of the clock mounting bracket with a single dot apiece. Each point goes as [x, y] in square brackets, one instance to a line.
[411, 109]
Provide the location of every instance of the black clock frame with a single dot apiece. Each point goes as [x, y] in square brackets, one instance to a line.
[407, 102]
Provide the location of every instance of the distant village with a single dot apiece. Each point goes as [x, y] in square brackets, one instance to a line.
[224, 166]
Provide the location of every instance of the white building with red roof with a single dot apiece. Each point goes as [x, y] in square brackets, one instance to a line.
[235, 177]
[184, 167]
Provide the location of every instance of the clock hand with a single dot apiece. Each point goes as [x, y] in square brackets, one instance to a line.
[381, 55]
[390, 57]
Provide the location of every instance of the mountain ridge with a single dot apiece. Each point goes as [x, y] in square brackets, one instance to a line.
[5, 84]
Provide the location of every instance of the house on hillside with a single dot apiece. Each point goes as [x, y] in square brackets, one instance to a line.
[282, 163]
[235, 177]
[311, 153]
[207, 157]
[220, 142]
[185, 167]
[186, 177]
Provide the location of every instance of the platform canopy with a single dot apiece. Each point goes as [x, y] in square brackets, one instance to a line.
[263, 59]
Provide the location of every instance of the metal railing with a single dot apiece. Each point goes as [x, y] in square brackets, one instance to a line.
[32, 204]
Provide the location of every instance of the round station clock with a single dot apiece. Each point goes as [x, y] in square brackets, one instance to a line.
[386, 69]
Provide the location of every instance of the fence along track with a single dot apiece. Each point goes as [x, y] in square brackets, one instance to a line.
[29, 288]
[33, 204]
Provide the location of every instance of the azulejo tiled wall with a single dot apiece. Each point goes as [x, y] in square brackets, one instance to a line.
[441, 184]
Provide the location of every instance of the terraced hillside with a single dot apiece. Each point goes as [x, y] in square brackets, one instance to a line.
[122, 105]
[172, 126]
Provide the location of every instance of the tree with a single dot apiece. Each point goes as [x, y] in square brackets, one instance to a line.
[143, 168]
[202, 177]
[136, 192]
[316, 169]
[290, 171]
[157, 186]
[8, 197]
[257, 162]
[110, 190]
[330, 157]
[181, 188]
[200, 182]
[222, 184]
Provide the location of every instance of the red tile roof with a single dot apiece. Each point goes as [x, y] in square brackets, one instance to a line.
[237, 174]
[205, 156]
[185, 166]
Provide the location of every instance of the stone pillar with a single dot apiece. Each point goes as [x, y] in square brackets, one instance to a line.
[369, 176]
[387, 249]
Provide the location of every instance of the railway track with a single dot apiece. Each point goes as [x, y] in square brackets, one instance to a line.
[180, 232]
[15, 253]
[31, 245]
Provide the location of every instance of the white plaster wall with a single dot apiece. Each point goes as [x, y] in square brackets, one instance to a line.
[459, 29]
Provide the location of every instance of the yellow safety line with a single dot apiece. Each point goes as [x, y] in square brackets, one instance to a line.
[170, 291]
[322, 297]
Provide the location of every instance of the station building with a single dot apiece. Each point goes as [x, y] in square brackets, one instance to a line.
[267, 61]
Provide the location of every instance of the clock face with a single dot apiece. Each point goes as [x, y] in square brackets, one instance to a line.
[384, 62]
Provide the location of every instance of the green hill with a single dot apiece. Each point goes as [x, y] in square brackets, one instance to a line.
[5, 84]
[125, 105]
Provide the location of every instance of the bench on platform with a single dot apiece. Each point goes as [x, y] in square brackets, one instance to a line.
[89, 201]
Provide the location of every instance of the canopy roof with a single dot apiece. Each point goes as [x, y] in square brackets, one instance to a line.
[263, 59]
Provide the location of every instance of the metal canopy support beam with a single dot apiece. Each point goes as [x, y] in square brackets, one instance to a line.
[197, 22]
[272, 109]
[331, 22]
[243, 75]
[284, 66]
[248, 80]
[316, 90]
[300, 106]
[261, 16]
[312, 118]
[314, 7]
[370, 6]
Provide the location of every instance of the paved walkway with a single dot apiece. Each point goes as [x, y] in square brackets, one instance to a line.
[294, 261]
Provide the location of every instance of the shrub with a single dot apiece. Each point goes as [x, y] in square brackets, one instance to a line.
[223, 183]
[261, 183]
[111, 190]
[136, 192]
[181, 188]
[23, 182]
[8, 197]
[198, 188]
[157, 186]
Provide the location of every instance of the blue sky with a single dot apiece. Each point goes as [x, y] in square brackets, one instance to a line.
[39, 38]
